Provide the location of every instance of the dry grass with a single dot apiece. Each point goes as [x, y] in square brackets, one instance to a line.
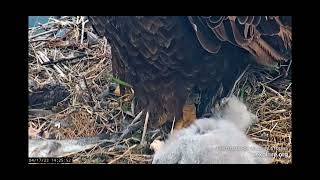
[268, 95]
[92, 108]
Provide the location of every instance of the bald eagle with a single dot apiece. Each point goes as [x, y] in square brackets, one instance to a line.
[181, 66]
[215, 140]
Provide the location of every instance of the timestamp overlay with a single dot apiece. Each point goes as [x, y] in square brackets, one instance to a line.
[50, 160]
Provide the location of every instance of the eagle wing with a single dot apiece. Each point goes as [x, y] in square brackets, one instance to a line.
[267, 38]
[170, 60]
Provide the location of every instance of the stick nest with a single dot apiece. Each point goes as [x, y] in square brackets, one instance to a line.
[66, 53]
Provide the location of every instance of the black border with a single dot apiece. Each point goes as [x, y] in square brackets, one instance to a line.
[17, 44]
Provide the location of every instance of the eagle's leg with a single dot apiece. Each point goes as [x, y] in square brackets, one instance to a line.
[189, 112]
[188, 116]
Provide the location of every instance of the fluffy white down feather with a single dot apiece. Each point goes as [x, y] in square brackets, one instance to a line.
[219, 140]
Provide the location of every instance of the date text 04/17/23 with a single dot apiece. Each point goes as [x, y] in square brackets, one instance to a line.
[50, 160]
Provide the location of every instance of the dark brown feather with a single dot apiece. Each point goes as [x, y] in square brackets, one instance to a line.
[169, 59]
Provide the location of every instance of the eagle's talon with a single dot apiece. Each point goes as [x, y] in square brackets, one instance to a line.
[188, 116]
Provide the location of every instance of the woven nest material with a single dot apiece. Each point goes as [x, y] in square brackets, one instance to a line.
[70, 84]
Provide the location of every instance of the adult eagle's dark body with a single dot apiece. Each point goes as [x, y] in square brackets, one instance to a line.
[176, 61]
